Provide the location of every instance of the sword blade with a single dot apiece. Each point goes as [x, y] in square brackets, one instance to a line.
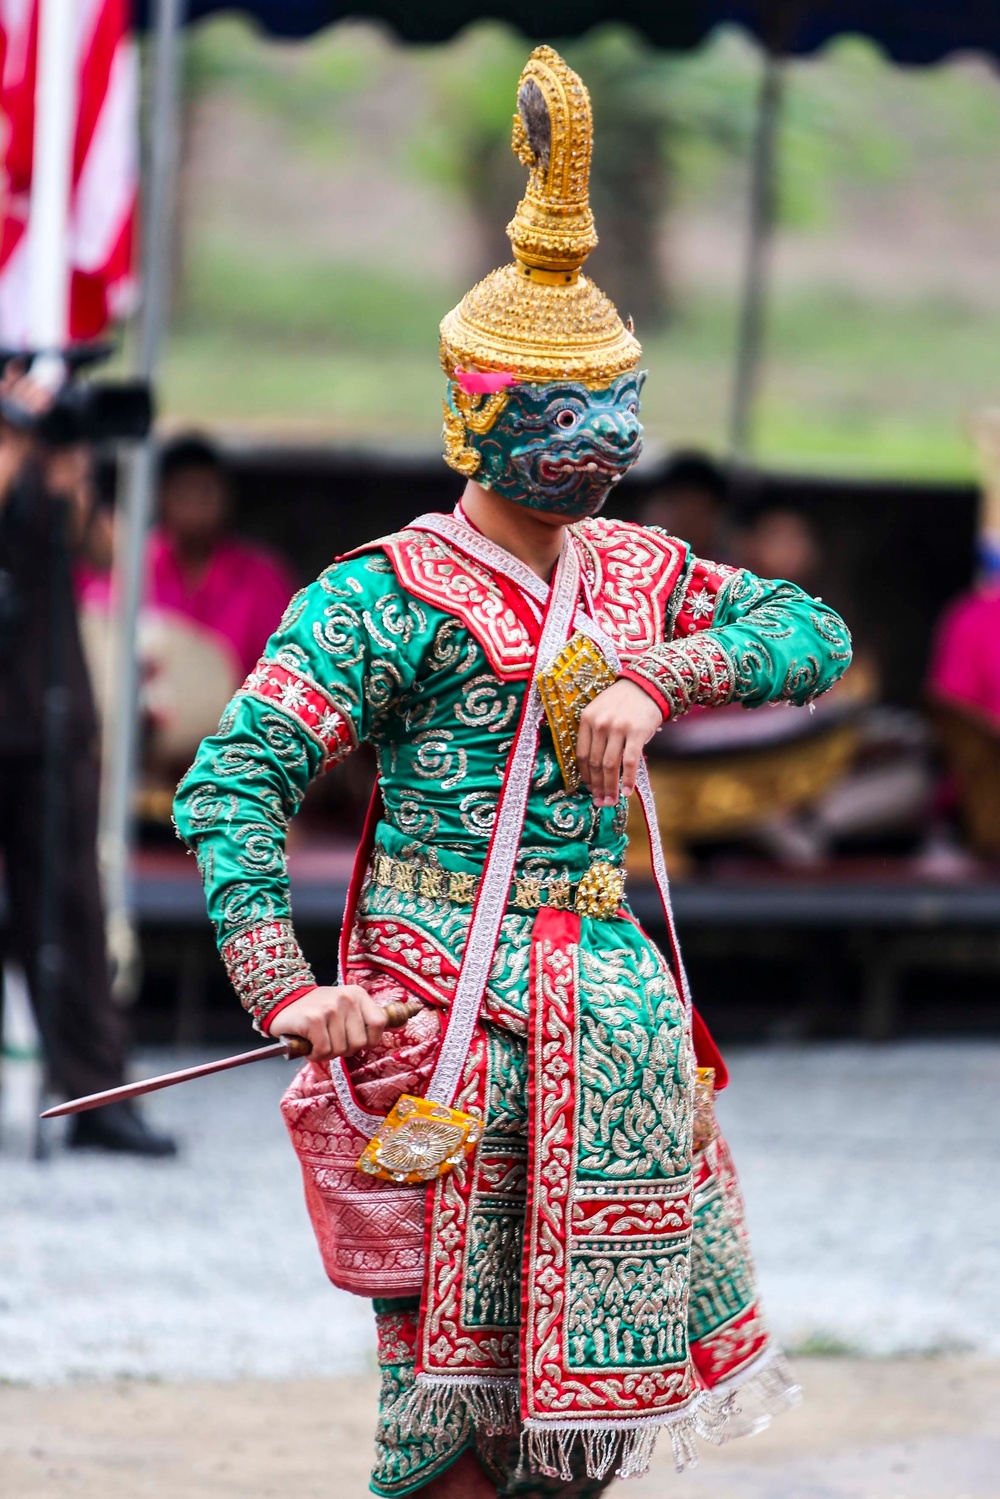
[290, 1047]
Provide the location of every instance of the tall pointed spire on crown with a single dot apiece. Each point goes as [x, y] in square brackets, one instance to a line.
[539, 317]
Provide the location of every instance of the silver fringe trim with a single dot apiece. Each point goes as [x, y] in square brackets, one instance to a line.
[623, 1447]
[740, 1407]
[753, 1399]
[492, 1403]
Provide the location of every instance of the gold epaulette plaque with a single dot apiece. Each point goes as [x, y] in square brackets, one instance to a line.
[574, 679]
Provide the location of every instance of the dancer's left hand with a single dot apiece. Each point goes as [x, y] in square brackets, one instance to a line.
[614, 728]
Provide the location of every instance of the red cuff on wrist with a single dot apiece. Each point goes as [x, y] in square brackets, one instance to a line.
[647, 687]
[284, 1003]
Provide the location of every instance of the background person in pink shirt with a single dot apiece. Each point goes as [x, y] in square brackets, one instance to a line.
[199, 569]
[965, 664]
[211, 601]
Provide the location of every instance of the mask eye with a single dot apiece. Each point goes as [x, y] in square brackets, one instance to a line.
[566, 419]
[632, 408]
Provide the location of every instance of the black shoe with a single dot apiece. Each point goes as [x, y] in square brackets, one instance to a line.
[118, 1126]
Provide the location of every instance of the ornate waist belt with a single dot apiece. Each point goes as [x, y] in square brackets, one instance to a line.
[599, 893]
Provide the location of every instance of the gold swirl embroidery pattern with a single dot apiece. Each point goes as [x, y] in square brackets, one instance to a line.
[483, 706]
[439, 759]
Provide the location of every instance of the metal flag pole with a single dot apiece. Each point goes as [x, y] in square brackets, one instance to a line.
[138, 472]
[51, 178]
[763, 192]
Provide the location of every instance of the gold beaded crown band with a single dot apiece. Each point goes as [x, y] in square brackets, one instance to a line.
[540, 318]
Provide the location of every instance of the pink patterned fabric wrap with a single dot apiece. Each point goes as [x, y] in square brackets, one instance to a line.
[370, 1232]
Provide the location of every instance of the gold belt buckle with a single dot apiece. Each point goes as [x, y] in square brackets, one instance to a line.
[600, 891]
[573, 680]
[419, 1140]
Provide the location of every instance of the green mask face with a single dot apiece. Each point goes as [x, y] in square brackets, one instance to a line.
[560, 448]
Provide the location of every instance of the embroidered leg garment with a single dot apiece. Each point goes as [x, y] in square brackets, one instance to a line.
[630, 1304]
[406, 1460]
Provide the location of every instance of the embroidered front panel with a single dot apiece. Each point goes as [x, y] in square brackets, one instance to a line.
[306, 701]
[491, 1295]
[685, 673]
[265, 965]
[694, 608]
[607, 1259]
[631, 572]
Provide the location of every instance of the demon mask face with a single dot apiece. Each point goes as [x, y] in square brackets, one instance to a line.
[557, 448]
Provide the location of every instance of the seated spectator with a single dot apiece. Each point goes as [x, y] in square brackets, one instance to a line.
[963, 689]
[792, 786]
[199, 569]
[965, 662]
[212, 599]
[196, 567]
[690, 501]
[779, 539]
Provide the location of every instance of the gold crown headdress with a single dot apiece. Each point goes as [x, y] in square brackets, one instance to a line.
[539, 317]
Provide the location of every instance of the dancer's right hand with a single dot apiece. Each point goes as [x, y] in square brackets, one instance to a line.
[337, 1021]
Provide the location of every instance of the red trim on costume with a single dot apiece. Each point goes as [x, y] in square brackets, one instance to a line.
[283, 1004]
[362, 859]
[649, 688]
[633, 572]
[449, 580]
[706, 1053]
[307, 702]
[701, 594]
[265, 966]
[396, 1334]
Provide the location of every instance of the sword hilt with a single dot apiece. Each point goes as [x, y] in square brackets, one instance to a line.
[397, 1013]
[295, 1047]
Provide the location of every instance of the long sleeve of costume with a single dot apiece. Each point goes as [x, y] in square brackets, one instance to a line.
[337, 661]
[732, 636]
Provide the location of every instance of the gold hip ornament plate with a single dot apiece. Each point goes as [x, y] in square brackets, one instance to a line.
[419, 1140]
[576, 676]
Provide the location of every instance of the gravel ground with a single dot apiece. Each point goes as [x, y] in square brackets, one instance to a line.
[871, 1175]
[872, 1429]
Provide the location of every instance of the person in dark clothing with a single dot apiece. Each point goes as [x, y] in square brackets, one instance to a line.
[56, 921]
[691, 499]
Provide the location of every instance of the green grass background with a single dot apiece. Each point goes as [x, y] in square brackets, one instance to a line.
[275, 333]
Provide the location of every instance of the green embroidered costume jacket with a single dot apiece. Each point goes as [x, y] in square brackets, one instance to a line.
[418, 648]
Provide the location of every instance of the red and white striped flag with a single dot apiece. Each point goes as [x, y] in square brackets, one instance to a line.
[104, 207]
